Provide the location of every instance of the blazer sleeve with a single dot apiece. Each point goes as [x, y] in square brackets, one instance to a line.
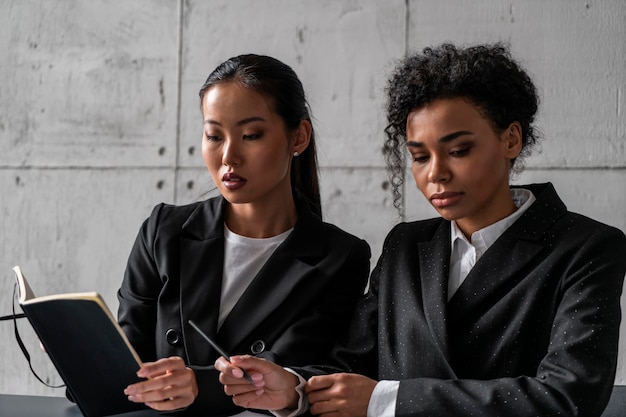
[139, 291]
[356, 350]
[328, 314]
[575, 376]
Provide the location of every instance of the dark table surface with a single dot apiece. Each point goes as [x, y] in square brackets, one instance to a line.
[36, 406]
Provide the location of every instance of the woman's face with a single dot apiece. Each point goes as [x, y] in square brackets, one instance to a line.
[461, 164]
[245, 145]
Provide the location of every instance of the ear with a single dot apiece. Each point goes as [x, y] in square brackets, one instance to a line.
[302, 137]
[512, 138]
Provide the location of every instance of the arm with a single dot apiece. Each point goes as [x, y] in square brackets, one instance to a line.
[139, 291]
[170, 384]
[323, 313]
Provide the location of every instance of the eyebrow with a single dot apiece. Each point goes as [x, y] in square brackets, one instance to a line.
[445, 139]
[239, 123]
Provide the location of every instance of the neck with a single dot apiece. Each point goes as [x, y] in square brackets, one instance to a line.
[470, 226]
[259, 220]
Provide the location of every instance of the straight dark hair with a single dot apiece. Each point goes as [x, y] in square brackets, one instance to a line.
[281, 86]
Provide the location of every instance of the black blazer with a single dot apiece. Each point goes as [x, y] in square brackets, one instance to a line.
[292, 312]
[532, 331]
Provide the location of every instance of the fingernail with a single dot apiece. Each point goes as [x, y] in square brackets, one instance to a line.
[129, 390]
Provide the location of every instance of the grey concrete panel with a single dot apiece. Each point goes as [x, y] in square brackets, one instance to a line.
[194, 184]
[88, 83]
[70, 230]
[574, 50]
[358, 201]
[339, 49]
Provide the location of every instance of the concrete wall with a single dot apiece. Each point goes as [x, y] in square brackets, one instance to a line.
[99, 118]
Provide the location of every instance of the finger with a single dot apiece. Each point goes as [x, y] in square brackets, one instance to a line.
[243, 388]
[155, 391]
[245, 399]
[160, 382]
[221, 364]
[227, 368]
[319, 382]
[152, 369]
[171, 401]
[324, 408]
[232, 374]
[144, 387]
[172, 398]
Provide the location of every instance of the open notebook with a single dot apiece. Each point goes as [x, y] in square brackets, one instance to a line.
[86, 345]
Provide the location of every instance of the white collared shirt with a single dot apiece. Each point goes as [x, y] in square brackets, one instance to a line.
[463, 257]
[465, 254]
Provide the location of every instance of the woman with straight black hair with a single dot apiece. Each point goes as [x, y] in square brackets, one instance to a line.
[255, 268]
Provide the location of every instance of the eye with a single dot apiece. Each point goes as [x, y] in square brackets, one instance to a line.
[459, 152]
[252, 136]
[420, 159]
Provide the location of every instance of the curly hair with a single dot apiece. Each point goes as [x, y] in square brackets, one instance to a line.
[485, 75]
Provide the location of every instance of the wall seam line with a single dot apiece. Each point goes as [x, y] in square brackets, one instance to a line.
[179, 83]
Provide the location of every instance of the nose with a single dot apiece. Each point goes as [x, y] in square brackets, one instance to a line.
[438, 170]
[231, 154]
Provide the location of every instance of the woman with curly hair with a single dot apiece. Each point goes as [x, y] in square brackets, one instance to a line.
[506, 305]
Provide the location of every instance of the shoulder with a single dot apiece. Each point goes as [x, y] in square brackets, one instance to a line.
[171, 219]
[418, 231]
[582, 232]
[316, 232]
[548, 216]
[332, 240]
[336, 234]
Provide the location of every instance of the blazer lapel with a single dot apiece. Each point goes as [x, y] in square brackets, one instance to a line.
[493, 275]
[503, 265]
[289, 265]
[201, 255]
[434, 263]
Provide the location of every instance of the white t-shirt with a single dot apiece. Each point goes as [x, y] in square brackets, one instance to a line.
[243, 259]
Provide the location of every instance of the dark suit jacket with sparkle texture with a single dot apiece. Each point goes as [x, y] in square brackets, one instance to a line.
[532, 331]
[292, 312]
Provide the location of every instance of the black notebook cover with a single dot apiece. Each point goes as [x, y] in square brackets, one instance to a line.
[87, 347]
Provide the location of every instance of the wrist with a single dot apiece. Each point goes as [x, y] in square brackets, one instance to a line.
[293, 397]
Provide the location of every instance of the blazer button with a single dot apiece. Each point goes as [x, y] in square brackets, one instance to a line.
[172, 337]
[257, 347]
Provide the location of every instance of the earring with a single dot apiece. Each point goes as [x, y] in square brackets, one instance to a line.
[296, 153]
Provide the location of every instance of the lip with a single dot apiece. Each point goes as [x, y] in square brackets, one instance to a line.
[445, 199]
[233, 181]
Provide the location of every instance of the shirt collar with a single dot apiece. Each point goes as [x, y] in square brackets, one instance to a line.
[482, 239]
